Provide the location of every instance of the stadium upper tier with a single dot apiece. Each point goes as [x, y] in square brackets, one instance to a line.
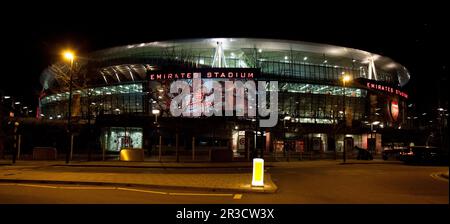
[303, 61]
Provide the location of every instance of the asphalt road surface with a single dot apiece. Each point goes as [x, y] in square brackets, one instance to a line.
[306, 184]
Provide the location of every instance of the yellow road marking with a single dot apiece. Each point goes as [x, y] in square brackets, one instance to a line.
[200, 194]
[144, 191]
[235, 196]
[438, 177]
[60, 187]
[89, 188]
[36, 185]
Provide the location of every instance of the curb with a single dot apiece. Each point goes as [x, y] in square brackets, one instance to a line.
[142, 166]
[189, 166]
[244, 189]
[341, 163]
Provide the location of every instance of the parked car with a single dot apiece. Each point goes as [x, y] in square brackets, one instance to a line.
[393, 152]
[424, 154]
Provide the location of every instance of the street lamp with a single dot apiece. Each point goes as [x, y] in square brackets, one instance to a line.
[286, 118]
[375, 122]
[156, 113]
[345, 78]
[371, 127]
[69, 56]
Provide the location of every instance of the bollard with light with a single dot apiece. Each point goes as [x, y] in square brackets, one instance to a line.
[258, 172]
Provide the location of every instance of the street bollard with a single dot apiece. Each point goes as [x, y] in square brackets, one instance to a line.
[160, 146]
[18, 146]
[193, 148]
[71, 146]
[258, 172]
[176, 147]
[103, 151]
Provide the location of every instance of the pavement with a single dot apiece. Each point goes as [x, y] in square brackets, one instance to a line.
[107, 173]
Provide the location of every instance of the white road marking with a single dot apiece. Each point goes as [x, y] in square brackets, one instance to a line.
[235, 196]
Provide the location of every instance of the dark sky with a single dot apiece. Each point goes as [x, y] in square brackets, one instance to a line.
[415, 38]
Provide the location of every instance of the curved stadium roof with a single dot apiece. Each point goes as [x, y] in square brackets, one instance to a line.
[266, 45]
[271, 49]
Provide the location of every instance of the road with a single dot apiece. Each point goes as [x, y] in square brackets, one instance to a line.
[308, 183]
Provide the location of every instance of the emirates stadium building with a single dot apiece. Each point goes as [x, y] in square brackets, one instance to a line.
[123, 95]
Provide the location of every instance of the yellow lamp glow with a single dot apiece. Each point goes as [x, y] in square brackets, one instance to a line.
[69, 55]
[258, 172]
[346, 78]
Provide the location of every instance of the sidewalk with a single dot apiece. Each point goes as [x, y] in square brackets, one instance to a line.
[43, 172]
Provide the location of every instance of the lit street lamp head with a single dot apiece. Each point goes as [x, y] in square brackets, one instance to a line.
[68, 55]
[346, 78]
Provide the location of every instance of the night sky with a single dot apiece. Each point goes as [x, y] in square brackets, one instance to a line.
[417, 39]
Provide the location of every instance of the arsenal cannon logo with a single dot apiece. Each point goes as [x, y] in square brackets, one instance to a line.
[394, 109]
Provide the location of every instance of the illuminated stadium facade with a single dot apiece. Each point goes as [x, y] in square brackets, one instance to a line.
[121, 89]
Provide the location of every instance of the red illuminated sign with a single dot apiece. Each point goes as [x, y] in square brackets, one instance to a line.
[228, 73]
[394, 110]
[386, 89]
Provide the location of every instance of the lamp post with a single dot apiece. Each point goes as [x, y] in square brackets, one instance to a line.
[69, 55]
[156, 113]
[16, 142]
[345, 79]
